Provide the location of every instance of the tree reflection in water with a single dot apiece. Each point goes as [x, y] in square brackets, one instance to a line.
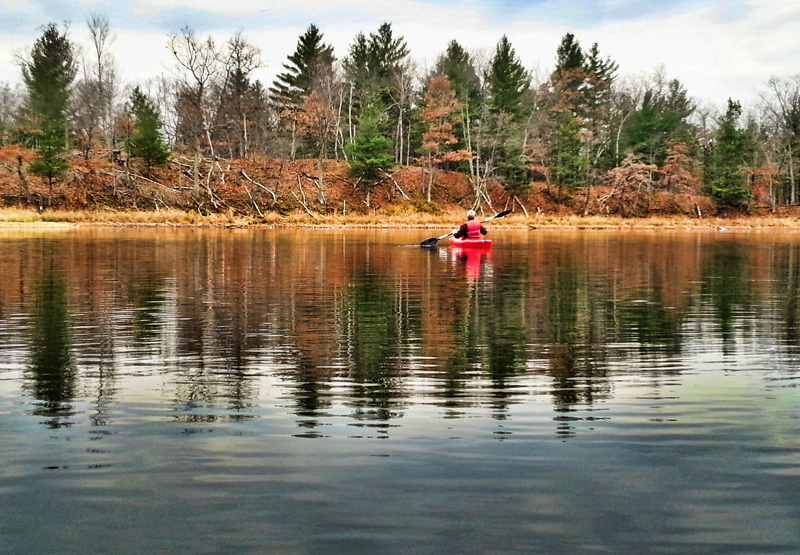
[52, 370]
[349, 327]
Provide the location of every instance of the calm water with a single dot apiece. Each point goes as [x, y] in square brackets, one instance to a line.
[236, 391]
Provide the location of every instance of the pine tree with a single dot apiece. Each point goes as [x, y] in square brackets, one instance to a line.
[508, 81]
[146, 141]
[567, 166]
[457, 66]
[370, 152]
[729, 159]
[569, 55]
[582, 81]
[311, 56]
[660, 120]
[378, 73]
[48, 75]
[510, 164]
[371, 63]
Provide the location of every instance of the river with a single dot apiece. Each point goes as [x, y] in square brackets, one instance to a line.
[306, 391]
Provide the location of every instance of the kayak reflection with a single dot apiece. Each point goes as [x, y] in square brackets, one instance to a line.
[473, 257]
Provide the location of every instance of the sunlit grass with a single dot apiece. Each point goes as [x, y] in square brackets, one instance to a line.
[16, 217]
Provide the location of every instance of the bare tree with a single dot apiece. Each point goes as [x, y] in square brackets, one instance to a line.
[11, 100]
[94, 96]
[198, 65]
[234, 98]
[781, 109]
[105, 69]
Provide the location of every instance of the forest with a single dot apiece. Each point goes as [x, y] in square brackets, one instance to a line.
[369, 131]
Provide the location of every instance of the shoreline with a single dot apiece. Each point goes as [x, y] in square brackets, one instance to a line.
[30, 219]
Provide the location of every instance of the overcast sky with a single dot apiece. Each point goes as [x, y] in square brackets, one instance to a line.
[716, 49]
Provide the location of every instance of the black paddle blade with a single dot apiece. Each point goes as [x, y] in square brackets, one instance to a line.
[429, 242]
[503, 213]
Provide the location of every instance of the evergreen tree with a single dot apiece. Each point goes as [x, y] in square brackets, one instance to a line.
[48, 75]
[604, 71]
[311, 56]
[146, 141]
[566, 165]
[510, 163]
[508, 81]
[582, 81]
[569, 55]
[457, 66]
[385, 51]
[729, 159]
[378, 74]
[370, 152]
[660, 120]
[372, 61]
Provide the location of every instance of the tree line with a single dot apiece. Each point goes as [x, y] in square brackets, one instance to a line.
[487, 116]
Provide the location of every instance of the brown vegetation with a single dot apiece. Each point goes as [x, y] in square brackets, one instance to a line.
[281, 192]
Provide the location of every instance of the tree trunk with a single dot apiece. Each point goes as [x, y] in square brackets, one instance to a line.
[792, 184]
[294, 138]
[245, 147]
[399, 156]
[350, 113]
[196, 176]
[430, 177]
[23, 180]
[468, 139]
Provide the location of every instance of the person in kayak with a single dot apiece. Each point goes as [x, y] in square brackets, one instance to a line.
[471, 229]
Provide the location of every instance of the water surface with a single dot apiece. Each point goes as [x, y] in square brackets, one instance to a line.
[210, 391]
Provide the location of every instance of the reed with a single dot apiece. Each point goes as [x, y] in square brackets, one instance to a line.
[443, 219]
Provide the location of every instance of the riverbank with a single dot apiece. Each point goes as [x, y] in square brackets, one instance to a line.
[175, 218]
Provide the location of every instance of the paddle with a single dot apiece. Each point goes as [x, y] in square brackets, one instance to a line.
[433, 240]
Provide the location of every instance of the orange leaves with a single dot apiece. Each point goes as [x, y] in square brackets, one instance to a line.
[440, 101]
[631, 175]
[440, 113]
[17, 153]
[677, 169]
[456, 156]
[314, 117]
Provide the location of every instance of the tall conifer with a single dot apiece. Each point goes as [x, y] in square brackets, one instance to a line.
[508, 81]
[48, 75]
[311, 55]
[146, 141]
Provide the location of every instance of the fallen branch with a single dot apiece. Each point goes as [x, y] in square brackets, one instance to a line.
[137, 176]
[222, 173]
[516, 198]
[488, 201]
[246, 190]
[208, 186]
[391, 176]
[304, 205]
[247, 177]
[316, 182]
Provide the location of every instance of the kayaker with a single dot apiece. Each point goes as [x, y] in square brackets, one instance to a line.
[471, 229]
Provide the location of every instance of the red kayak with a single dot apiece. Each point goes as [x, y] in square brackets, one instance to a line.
[471, 243]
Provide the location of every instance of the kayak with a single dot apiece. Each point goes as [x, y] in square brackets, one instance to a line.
[471, 243]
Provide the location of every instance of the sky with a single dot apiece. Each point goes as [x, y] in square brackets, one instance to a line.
[717, 49]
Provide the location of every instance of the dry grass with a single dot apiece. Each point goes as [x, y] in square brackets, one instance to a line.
[17, 217]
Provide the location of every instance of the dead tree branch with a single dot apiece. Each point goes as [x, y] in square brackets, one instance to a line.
[391, 176]
[256, 183]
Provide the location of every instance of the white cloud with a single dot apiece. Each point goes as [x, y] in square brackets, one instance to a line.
[717, 49]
